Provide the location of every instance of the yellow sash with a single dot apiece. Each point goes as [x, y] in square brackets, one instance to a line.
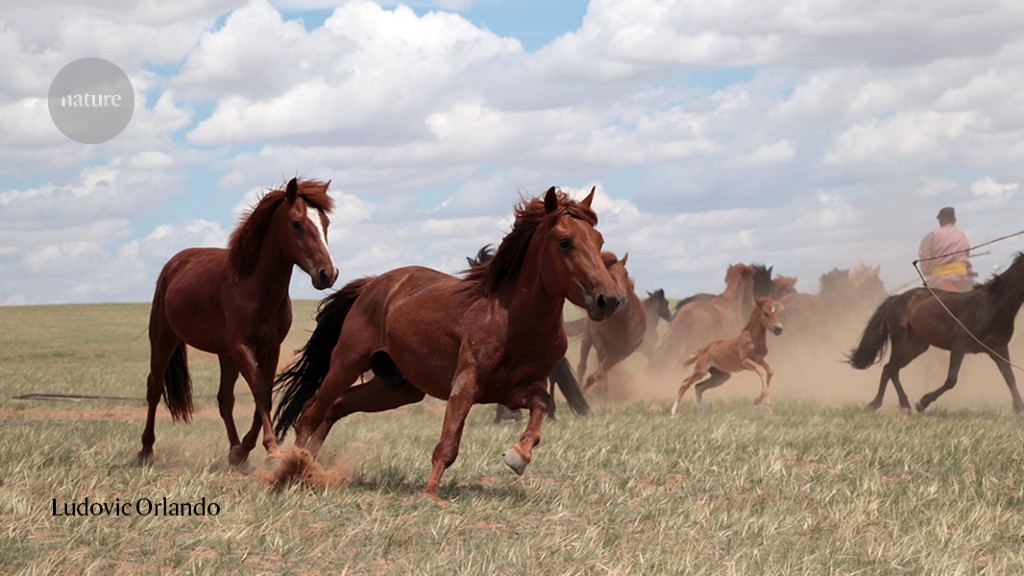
[951, 269]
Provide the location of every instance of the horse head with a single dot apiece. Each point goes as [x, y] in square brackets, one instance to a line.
[659, 303]
[571, 264]
[766, 311]
[302, 232]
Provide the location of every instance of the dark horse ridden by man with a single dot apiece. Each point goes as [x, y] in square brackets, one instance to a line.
[979, 321]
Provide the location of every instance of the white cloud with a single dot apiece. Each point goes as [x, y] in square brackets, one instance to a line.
[832, 135]
[988, 187]
[780, 152]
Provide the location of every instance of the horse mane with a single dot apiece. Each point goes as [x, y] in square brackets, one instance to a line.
[999, 283]
[530, 214]
[247, 238]
[762, 279]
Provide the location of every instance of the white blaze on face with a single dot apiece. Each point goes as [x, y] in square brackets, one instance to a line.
[314, 216]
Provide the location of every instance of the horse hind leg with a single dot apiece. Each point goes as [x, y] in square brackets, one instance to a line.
[161, 350]
[226, 405]
[716, 379]
[698, 373]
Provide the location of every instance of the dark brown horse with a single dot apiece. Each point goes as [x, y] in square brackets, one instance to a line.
[234, 303]
[656, 306]
[493, 336]
[746, 351]
[703, 321]
[616, 338]
[916, 319]
[561, 376]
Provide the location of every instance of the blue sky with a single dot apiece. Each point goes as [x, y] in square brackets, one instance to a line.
[805, 136]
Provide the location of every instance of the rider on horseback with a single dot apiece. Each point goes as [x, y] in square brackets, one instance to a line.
[944, 255]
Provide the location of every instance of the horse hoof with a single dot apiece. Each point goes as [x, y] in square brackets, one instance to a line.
[874, 405]
[674, 407]
[237, 456]
[920, 407]
[906, 411]
[514, 460]
[144, 457]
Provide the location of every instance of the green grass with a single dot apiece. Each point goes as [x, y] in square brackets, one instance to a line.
[806, 488]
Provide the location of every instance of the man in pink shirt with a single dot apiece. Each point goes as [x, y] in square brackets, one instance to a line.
[944, 255]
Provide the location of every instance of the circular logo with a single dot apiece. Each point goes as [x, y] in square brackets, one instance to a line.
[91, 100]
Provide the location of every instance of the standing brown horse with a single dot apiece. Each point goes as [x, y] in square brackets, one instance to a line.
[493, 336]
[619, 336]
[744, 352]
[702, 321]
[916, 319]
[234, 303]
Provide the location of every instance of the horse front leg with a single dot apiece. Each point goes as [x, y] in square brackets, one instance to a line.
[259, 383]
[1001, 357]
[465, 393]
[762, 373]
[537, 401]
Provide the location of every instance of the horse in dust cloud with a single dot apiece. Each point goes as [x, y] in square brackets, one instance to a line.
[978, 321]
[746, 351]
[718, 317]
[616, 338]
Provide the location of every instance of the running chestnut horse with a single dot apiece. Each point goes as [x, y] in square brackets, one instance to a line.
[492, 336]
[916, 319]
[744, 352]
[234, 303]
[619, 336]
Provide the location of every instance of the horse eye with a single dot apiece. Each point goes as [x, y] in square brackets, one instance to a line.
[564, 243]
[296, 224]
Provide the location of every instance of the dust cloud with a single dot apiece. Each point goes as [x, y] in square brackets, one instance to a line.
[811, 367]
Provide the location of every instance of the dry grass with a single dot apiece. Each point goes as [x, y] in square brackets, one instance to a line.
[816, 486]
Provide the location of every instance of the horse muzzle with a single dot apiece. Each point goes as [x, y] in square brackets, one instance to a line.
[602, 306]
[777, 329]
[324, 277]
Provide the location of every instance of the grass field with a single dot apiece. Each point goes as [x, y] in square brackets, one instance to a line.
[818, 485]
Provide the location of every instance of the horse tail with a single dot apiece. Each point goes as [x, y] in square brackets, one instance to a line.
[692, 358]
[874, 340]
[574, 327]
[178, 385]
[298, 383]
[570, 387]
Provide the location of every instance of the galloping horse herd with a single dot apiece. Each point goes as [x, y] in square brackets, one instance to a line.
[495, 334]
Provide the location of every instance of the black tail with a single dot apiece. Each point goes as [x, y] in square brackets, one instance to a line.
[300, 381]
[178, 385]
[874, 340]
[563, 376]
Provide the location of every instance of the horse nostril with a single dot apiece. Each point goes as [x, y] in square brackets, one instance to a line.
[325, 278]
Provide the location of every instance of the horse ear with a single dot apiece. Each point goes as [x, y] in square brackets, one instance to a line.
[551, 200]
[590, 197]
[291, 192]
[624, 258]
